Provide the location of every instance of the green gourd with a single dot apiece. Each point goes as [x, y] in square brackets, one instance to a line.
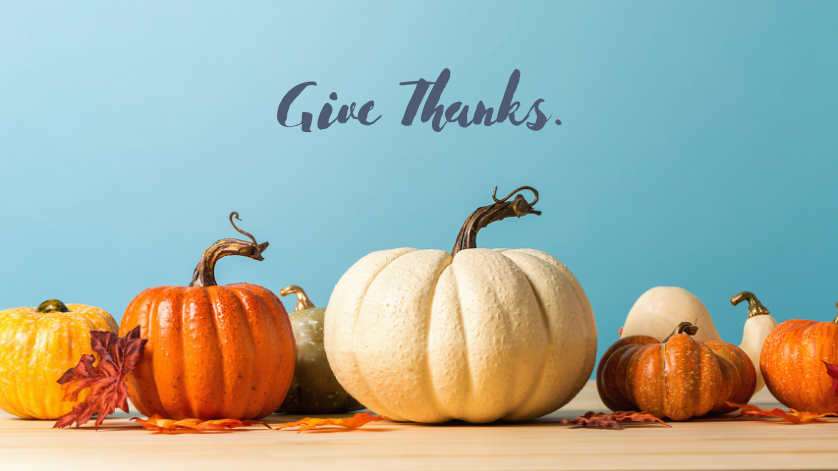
[314, 389]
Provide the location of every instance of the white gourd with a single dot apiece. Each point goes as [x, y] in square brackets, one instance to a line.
[660, 310]
[480, 336]
[757, 328]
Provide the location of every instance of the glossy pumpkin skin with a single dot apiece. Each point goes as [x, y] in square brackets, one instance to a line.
[679, 379]
[213, 352]
[792, 364]
[314, 390]
[36, 348]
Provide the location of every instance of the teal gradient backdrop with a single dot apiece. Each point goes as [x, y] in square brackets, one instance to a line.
[698, 145]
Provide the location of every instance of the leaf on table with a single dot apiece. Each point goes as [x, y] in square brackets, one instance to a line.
[612, 421]
[792, 416]
[832, 371]
[117, 357]
[157, 423]
[352, 423]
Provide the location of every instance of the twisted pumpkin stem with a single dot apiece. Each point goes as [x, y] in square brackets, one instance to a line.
[755, 308]
[303, 302]
[683, 328]
[204, 274]
[485, 215]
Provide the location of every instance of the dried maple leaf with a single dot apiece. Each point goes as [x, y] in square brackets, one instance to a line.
[612, 421]
[106, 380]
[359, 420]
[159, 424]
[792, 416]
[832, 371]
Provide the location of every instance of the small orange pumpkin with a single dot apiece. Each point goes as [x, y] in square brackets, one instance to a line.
[678, 378]
[213, 352]
[792, 363]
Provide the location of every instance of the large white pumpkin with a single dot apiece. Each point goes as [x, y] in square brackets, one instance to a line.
[482, 336]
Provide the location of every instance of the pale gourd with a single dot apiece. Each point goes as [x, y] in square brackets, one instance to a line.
[659, 309]
[757, 328]
[477, 335]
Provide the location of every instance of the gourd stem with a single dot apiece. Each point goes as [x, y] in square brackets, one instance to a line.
[755, 308]
[204, 274]
[836, 317]
[303, 302]
[683, 328]
[483, 216]
[52, 305]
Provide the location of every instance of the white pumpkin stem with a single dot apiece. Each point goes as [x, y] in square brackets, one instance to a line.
[204, 274]
[303, 301]
[755, 308]
[485, 215]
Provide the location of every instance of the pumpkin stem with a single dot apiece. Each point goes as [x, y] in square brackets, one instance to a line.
[52, 305]
[755, 308]
[683, 328]
[836, 317]
[303, 302]
[204, 274]
[485, 215]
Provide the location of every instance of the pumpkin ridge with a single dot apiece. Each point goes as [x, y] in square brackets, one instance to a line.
[240, 290]
[467, 394]
[219, 353]
[428, 371]
[384, 410]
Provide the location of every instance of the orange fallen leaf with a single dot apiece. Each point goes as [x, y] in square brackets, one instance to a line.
[159, 424]
[612, 421]
[351, 423]
[792, 416]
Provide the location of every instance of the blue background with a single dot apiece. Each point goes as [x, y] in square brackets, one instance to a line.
[698, 145]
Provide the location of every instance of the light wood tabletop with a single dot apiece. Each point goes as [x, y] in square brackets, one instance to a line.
[540, 444]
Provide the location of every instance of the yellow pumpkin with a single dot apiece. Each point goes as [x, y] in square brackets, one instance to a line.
[37, 345]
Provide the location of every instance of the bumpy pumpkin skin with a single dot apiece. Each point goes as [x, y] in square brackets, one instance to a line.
[678, 379]
[36, 349]
[213, 352]
[792, 364]
[486, 335]
[659, 310]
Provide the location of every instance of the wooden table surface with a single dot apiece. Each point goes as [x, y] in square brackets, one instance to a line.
[539, 444]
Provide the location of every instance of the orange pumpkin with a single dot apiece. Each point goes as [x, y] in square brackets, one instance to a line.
[792, 363]
[678, 378]
[213, 351]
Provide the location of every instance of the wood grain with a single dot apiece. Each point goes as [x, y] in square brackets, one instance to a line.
[536, 445]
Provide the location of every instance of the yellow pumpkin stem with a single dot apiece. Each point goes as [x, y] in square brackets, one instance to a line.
[303, 302]
[204, 274]
[755, 308]
[485, 215]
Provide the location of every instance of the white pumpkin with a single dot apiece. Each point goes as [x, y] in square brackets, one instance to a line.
[480, 336]
[658, 311]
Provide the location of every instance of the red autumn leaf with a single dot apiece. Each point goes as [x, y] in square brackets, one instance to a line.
[117, 357]
[352, 423]
[832, 371]
[792, 416]
[159, 424]
[612, 421]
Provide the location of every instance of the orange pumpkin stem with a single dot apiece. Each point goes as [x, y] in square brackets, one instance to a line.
[303, 302]
[204, 274]
[755, 308]
[485, 215]
[683, 328]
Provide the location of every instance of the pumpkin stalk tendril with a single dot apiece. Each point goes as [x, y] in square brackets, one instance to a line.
[755, 308]
[485, 215]
[204, 274]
